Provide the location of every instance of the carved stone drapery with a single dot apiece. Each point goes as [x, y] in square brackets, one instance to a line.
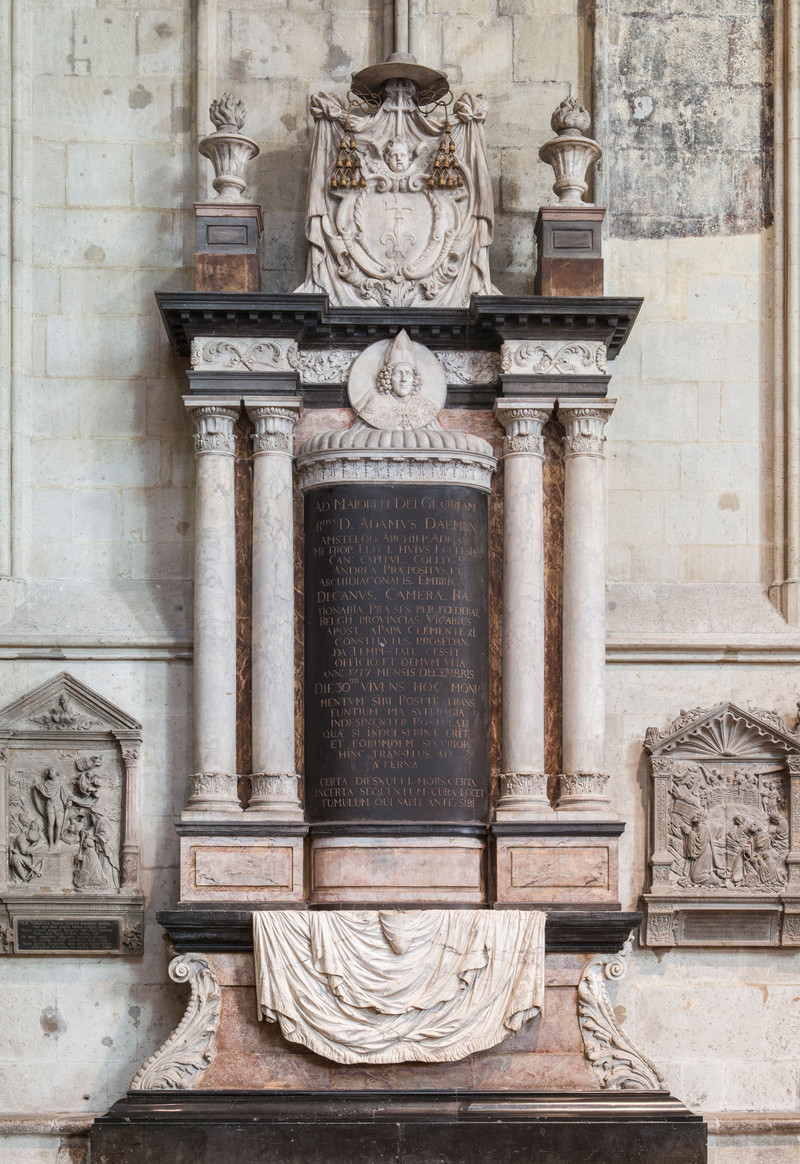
[724, 853]
[365, 986]
[190, 1049]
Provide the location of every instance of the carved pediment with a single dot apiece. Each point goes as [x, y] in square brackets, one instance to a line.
[64, 704]
[724, 731]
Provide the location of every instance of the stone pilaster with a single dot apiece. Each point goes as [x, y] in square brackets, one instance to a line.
[213, 784]
[130, 839]
[274, 781]
[523, 785]
[582, 787]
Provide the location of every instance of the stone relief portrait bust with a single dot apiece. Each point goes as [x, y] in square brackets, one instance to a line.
[397, 384]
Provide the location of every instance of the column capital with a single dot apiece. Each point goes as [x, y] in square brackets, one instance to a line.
[213, 419]
[584, 423]
[523, 420]
[274, 418]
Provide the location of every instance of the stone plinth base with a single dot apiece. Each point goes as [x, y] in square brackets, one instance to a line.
[351, 866]
[264, 867]
[553, 864]
[375, 1127]
[569, 245]
[720, 918]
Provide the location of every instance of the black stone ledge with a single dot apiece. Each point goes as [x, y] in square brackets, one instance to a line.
[244, 828]
[311, 320]
[566, 828]
[402, 1127]
[395, 829]
[203, 929]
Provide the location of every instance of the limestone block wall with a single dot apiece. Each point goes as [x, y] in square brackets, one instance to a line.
[106, 101]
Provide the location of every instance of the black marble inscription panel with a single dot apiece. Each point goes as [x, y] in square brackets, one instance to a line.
[397, 646]
[67, 935]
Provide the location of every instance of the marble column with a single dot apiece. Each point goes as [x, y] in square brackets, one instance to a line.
[274, 779]
[523, 784]
[213, 784]
[582, 787]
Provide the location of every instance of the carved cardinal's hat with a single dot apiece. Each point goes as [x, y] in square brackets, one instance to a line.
[400, 351]
[432, 84]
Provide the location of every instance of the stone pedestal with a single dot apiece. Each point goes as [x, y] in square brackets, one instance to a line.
[569, 250]
[227, 246]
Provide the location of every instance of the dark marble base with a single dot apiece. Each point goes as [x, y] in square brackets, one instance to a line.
[399, 1127]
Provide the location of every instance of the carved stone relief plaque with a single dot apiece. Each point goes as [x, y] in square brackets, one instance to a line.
[723, 856]
[68, 829]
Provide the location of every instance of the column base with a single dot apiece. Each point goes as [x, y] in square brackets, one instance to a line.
[582, 795]
[273, 797]
[523, 796]
[213, 797]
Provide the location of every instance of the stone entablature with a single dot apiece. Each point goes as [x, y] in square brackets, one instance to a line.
[724, 866]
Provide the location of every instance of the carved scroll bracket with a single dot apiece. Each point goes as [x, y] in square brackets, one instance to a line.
[618, 1064]
[190, 1049]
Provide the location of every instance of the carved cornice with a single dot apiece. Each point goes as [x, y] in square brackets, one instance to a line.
[724, 730]
[190, 1049]
[425, 467]
[213, 424]
[615, 1060]
[311, 319]
[553, 358]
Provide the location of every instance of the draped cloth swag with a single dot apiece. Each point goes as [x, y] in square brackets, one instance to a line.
[369, 986]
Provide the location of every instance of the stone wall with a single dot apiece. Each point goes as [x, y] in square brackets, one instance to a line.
[95, 532]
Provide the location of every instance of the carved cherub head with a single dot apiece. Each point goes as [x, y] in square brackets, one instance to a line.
[397, 155]
[399, 373]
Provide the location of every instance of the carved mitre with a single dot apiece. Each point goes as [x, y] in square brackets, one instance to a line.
[397, 384]
[392, 238]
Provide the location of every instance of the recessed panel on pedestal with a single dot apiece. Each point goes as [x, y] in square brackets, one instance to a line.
[397, 653]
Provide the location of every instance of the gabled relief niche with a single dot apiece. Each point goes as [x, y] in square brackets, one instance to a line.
[724, 866]
[69, 869]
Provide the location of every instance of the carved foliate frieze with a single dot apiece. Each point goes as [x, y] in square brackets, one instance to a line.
[553, 358]
[323, 365]
[244, 355]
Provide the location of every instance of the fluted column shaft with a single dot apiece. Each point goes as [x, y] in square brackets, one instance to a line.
[523, 785]
[582, 786]
[214, 780]
[274, 780]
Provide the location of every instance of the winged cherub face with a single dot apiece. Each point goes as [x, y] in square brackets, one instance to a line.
[397, 155]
